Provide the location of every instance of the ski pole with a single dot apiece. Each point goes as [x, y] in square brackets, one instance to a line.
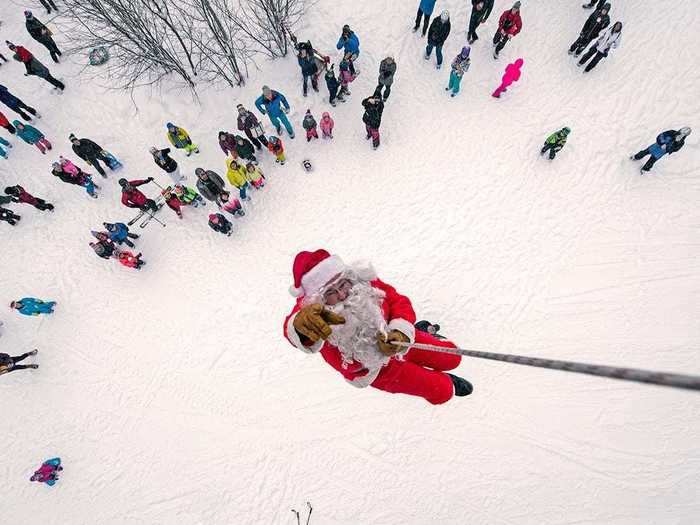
[688, 382]
[296, 513]
[154, 182]
[152, 216]
[311, 509]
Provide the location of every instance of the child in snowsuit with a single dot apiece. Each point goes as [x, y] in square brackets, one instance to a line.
[9, 216]
[460, 65]
[346, 76]
[71, 174]
[555, 142]
[180, 139]
[9, 364]
[48, 472]
[31, 135]
[309, 124]
[511, 75]
[255, 175]
[667, 142]
[509, 25]
[19, 194]
[128, 259]
[327, 125]
[5, 143]
[277, 149]
[333, 84]
[374, 107]
[230, 204]
[172, 201]
[238, 177]
[33, 306]
[119, 233]
[221, 224]
[188, 196]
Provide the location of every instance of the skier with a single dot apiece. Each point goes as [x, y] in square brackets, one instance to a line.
[598, 21]
[255, 175]
[119, 232]
[168, 164]
[333, 85]
[310, 125]
[48, 472]
[41, 34]
[350, 45]
[555, 142]
[667, 142]
[237, 176]
[425, 10]
[4, 123]
[277, 149]
[308, 66]
[353, 319]
[387, 70]
[437, 34]
[8, 215]
[128, 259]
[327, 125]
[188, 196]
[609, 39]
[509, 25]
[33, 306]
[180, 139]
[248, 123]
[245, 149]
[481, 9]
[16, 104]
[48, 4]
[460, 65]
[221, 224]
[512, 74]
[132, 197]
[209, 184]
[275, 106]
[71, 174]
[31, 135]
[374, 107]
[346, 76]
[19, 194]
[91, 152]
[5, 143]
[33, 66]
[9, 364]
[230, 204]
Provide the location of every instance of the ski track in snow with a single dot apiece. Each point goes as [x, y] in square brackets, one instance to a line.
[171, 395]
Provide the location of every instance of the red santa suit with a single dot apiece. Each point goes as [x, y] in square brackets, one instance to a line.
[415, 372]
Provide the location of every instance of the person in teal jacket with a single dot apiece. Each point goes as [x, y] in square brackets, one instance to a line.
[31, 135]
[33, 306]
[274, 104]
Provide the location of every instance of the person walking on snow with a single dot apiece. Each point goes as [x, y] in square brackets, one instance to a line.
[19, 194]
[333, 84]
[132, 197]
[41, 34]
[387, 70]
[350, 45]
[598, 21]
[248, 123]
[91, 152]
[374, 107]
[608, 40]
[308, 66]
[667, 142]
[255, 176]
[16, 104]
[72, 174]
[437, 34]
[276, 147]
[354, 320]
[180, 139]
[481, 9]
[119, 232]
[168, 164]
[327, 125]
[244, 149]
[425, 10]
[33, 306]
[509, 25]
[31, 135]
[48, 4]
[555, 142]
[238, 177]
[275, 106]
[512, 74]
[9, 364]
[460, 65]
[310, 125]
[209, 184]
[33, 66]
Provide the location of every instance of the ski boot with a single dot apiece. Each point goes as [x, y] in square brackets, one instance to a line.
[462, 386]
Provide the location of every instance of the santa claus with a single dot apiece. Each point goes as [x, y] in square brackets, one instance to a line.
[355, 320]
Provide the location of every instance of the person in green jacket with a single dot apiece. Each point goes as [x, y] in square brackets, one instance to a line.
[555, 142]
[180, 139]
[188, 196]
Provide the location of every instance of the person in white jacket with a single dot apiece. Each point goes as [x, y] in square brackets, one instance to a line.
[608, 40]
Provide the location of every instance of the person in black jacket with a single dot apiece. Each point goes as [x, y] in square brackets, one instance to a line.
[9, 364]
[307, 63]
[168, 164]
[598, 21]
[16, 104]
[90, 152]
[245, 149]
[437, 34]
[666, 143]
[481, 9]
[374, 107]
[594, 3]
[41, 34]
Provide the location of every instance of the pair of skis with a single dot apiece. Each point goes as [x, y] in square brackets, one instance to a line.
[296, 513]
[150, 215]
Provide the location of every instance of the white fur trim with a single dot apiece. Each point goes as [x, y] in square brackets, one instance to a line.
[320, 274]
[296, 341]
[296, 292]
[365, 380]
[404, 327]
[364, 270]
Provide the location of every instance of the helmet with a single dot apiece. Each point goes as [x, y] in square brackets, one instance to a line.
[123, 182]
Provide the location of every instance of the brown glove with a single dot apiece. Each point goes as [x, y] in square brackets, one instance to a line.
[384, 342]
[313, 322]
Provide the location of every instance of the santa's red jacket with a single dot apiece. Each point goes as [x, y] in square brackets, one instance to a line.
[399, 315]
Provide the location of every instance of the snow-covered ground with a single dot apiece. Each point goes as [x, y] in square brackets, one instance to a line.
[172, 396]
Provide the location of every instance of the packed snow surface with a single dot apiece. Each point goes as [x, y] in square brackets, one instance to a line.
[171, 395]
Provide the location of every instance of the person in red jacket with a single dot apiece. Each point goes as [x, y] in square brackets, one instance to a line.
[4, 123]
[172, 201]
[19, 194]
[509, 25]
[354, 320]
[134, 198]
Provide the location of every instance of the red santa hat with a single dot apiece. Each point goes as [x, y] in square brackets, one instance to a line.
[312, 270]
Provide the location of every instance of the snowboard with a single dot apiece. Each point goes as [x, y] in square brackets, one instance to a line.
[112, 161]
[306, 164]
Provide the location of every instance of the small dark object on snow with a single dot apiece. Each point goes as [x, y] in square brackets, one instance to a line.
[98, 56]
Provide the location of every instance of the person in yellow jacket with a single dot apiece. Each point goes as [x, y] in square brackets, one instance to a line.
[238, 177]
[255, 175]
[180, 139]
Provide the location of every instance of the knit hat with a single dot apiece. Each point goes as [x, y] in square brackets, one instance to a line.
[170, 125]
[516, 5]
[123, 183]
[266, 90]
[214, 218]
[465, 51]
[312, 270]
[240, 107]
[28, 14]
[72, 137]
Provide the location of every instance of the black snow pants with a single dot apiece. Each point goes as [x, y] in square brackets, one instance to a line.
[500, 40]
[580, 44]
[426, 20]
[474, 22]
[49, 44]
[593, 63]
[9, 216]
[650, 161]
[552, 148]
[256, 140]
[48, 4]
[17, 359]
[19, 106]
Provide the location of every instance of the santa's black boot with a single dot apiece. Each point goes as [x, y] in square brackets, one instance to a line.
[462, 386]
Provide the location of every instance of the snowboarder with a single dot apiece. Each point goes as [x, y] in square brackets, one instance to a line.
[374, 107]
[598, 21]
[128, 259]
[31, 135]
[19, 194]
[310, 125]
[255, 176]
[346, 76]
[460, 65]
[5, 123]
[353, 319]
[387, 70]
[667, 142]
[608, 40]
[16, 104]
[333, 84]
[350, 45]
[168, 164]
[230, 204]
[221, 224]
[245, 149]
[9, 364]
[119, 232]
[180, 139]
[327, 125]
[71, 174]
[277, 149]
[91, 152]
[512, 74]
[33, 66]
[41, 34]
[237, 176]
[248, 123]
[48, 472]
[209, 184]
[5, 143]
[509, 25]
[481, 9]
[425, 10]
[555, 142]
[48, 4]
[275, 106]
[8, 215]
[308, 66]
[132, 197]
[33, 306]
[188, 196]
[437, 34]
[172, 201]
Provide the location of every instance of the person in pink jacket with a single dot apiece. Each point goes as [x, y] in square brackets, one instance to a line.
[511, 75]
[327, 125]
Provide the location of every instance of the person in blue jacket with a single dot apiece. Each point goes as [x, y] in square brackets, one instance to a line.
[119, 233]
[425, 9]
[32, 306]
[350, 45]
[273, 104]
[666, 143]
[16, 104]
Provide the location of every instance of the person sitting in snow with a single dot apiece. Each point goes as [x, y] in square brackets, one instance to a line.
[33, 306]
[48, 472]
[119, 233]
[128, 259]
